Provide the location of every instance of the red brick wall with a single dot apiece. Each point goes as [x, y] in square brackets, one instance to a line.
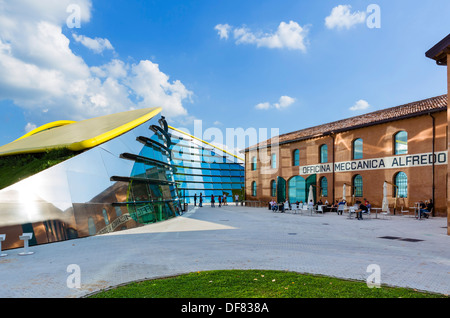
[378, 143]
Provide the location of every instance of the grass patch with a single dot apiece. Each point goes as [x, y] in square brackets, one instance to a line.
[256, 284]
[17, 167]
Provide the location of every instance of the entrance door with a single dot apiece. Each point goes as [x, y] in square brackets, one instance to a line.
[281, 189]
[297, 189]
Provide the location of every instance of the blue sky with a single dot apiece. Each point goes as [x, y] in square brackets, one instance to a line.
[281, 65]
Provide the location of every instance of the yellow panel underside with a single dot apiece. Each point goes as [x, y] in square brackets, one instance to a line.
[81, 135]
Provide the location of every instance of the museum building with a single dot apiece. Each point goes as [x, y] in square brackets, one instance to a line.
[404, 146]
[124, 170]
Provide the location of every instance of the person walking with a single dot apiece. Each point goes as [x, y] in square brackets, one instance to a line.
[212, 200]
[195, 199]
[200, 200]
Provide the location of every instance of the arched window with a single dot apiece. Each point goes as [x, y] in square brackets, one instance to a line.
[274, 161]
[273, 188]
[401, 181]
[254, 188]
[357, 186]
[323, 154]
[105, 216]
[91, 226]
[296, 157]
[401, 143]
[358, 149]
[324, 186]
[253, 163]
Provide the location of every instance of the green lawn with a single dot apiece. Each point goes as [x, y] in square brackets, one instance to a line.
[256, 284]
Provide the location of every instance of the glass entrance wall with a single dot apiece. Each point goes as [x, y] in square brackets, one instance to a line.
[200, 168]
[297, 189]
[281, 190]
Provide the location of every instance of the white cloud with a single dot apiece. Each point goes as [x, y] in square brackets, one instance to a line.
[29, 127]
[290, 36]
[263, 106]
[283, 102]
[41, 74]
[223, 30]
[360, 105]
[98, 45]
[341, 17]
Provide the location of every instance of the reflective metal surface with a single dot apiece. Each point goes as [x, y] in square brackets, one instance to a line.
[95, 192]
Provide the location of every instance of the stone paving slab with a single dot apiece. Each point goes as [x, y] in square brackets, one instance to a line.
[409, 252]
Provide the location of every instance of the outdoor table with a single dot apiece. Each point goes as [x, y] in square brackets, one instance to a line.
[417, 213]
[415, 209]
[376, 211]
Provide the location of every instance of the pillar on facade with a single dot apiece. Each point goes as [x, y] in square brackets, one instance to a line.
[441, 54]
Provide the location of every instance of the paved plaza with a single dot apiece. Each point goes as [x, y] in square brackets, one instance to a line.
[409, 252]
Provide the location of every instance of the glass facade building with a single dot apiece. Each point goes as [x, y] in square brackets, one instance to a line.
[200, 168]
[128, 169]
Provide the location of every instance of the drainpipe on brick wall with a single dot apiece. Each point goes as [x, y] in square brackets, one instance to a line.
[332, 135]
[433, 175]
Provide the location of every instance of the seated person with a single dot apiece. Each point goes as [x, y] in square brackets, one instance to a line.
[361, 208]
[274, 205]
[429, 207]
[425, 209]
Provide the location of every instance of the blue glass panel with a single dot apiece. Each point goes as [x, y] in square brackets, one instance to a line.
[297, 189]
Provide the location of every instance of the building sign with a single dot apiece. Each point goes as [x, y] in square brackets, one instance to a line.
[394, 162]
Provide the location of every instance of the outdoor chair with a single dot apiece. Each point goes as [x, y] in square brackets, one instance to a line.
[305, 208]
[319, 209]
[351, 210]
[286, 206]
[427, 213]
[403, 212]
[386, 214]
[366, 213]
[340, 209]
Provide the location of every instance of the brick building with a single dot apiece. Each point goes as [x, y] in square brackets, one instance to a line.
[405, 146]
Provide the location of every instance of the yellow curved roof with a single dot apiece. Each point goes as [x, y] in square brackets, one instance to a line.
[80, 135]
[51, 125]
